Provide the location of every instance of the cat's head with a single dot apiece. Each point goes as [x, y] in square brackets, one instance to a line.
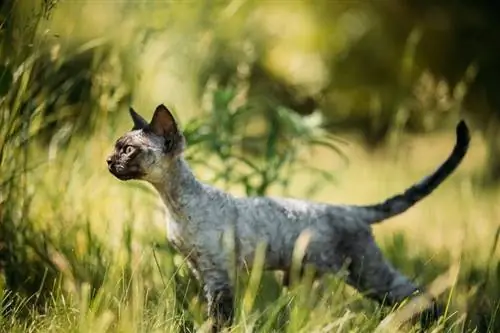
[148, 149]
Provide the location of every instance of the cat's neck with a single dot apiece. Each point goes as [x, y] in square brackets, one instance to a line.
[178, 187]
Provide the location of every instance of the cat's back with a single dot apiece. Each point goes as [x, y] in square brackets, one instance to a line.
[278, 209]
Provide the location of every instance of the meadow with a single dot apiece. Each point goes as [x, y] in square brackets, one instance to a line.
[81, 251]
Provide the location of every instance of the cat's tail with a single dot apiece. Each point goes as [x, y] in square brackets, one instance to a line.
[401, 202]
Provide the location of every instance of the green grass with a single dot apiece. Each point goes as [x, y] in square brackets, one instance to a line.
[82, 252]
[103, 234]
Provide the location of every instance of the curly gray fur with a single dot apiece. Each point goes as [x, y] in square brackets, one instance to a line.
[200, 215]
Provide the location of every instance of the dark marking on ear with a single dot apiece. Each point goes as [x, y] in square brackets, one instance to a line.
[139, 121]
[163, 122]
[172, 142]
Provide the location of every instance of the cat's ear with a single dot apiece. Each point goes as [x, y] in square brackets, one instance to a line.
[163, 122]
[139, 122]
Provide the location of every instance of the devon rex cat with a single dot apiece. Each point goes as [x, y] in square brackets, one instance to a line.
[199, 214]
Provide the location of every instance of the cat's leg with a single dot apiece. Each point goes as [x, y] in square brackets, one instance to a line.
[219, 294]
[372, 275]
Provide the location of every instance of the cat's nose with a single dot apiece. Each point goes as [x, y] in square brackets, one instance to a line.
[109, 160]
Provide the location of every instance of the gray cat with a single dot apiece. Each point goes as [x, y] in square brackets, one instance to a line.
[199, 215]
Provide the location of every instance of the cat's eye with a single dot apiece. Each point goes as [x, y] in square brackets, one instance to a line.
[128, 150]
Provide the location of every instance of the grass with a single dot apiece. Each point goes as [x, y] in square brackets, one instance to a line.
[103, 234]
[83, 252]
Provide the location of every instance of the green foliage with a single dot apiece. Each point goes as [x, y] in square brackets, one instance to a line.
[255, 147]
[45, 97]
[69, 264]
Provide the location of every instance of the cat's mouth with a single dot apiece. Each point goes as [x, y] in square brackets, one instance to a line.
[123, 174]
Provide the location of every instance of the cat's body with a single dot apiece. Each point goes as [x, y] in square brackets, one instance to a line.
[203, 220]
[200, 214]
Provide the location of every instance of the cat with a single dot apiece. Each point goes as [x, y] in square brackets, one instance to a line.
[340, 236]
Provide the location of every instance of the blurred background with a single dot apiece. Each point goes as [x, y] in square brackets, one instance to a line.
[334, 101]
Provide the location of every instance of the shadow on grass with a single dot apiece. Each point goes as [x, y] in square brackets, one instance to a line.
[480, 283]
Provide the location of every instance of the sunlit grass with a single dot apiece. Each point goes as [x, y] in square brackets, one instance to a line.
[99, 244]
[75, 189]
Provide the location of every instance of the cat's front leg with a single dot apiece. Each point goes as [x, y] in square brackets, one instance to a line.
[219, 294]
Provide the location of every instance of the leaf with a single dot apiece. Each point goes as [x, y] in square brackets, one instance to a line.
[330, 146]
